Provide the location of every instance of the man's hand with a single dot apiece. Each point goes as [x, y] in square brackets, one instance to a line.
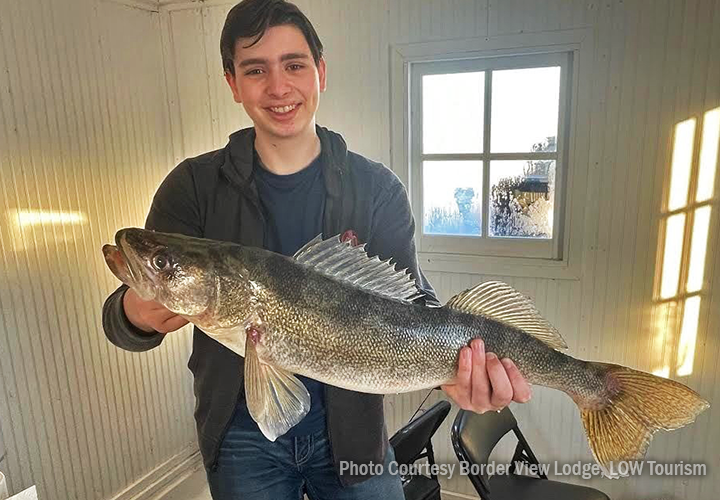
[150, 316]
[484, 382]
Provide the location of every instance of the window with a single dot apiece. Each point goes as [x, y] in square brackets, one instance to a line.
[488, 154]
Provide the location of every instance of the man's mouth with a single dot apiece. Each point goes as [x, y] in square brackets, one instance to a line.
[283, 110]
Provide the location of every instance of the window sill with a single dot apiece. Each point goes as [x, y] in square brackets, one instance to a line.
[498, 266]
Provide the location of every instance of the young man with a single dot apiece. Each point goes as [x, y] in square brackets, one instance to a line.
[277, 185]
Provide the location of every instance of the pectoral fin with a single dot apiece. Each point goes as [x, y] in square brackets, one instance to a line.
[276, 399]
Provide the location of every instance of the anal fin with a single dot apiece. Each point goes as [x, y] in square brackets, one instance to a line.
[276, 399]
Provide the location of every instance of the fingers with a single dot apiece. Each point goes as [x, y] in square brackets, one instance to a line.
[459, 389]
[521, 389]
[464, 369]
[502, 390]
[163, 320]
[171, 324]
[158, 315]
[481, 389]
[135, 309]
[149, 315]
[484, 382]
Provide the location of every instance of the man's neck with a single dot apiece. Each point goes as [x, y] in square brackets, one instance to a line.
[286, 156]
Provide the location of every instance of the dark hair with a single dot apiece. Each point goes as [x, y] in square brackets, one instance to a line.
[252, 18]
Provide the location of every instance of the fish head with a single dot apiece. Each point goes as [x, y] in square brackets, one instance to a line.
[175, 270]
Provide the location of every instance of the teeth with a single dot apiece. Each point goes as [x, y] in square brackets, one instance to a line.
[284, 109]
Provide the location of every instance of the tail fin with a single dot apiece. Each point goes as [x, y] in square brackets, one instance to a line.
[637, 405]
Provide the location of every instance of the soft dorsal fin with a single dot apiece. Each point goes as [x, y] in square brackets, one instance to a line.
[503, 303]
[341, 261]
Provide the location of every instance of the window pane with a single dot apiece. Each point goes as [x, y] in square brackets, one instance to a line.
[452, 197]
[453, 107]
[525, 110]
[522, 195]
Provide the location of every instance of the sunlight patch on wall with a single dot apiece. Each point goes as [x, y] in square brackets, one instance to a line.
[35, 217]
[681, 164]
[36, 227]
[688, 336]
[708, 155]
[707, 168]
[698, 248]
[672, 258]
[661, 349]
[682, 274]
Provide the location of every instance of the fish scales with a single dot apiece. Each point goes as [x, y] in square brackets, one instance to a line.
[341, 335]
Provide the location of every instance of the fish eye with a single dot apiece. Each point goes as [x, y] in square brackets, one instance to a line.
[161, 261]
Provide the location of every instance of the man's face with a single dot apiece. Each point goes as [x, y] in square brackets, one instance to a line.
[278, 82]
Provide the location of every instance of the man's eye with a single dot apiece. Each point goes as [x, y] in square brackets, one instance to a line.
[295, 67]
[253, 72]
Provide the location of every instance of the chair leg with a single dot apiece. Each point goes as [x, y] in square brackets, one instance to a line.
[524, 453]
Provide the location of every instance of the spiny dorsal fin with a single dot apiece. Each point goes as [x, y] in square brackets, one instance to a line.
[342, 261]
[503, 303]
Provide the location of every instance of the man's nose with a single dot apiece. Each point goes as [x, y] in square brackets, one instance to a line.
[278, 84]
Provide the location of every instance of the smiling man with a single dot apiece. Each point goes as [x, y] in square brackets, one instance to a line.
[277, 185]
[278, 79]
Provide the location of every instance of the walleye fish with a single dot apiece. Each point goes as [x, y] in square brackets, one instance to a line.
[337, 316]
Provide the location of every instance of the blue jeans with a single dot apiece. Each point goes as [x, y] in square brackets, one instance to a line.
[252, 468]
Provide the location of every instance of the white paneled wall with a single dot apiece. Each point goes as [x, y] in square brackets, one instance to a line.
[84, 141]
[99, 100]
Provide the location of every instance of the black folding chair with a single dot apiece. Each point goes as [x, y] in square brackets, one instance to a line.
[413, 442]
[474, 437]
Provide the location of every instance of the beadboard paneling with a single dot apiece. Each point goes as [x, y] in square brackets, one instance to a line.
[84, 135]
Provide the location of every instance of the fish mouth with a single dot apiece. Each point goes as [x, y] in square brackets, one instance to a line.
[122, 259]
[118, 264]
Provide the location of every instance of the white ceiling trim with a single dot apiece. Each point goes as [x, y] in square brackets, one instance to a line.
[170, 5]
[149, 5]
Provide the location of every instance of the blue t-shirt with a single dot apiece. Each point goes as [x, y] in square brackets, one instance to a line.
[293, 207]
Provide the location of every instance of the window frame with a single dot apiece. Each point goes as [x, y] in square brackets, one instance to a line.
[580, 43]
[549, 249]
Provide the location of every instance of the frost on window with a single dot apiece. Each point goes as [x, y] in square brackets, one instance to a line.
[522, 196]
[452, 192]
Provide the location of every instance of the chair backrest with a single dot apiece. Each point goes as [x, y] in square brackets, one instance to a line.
[410, 441]
[476, 435]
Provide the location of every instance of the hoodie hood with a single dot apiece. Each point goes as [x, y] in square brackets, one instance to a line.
[239, 157]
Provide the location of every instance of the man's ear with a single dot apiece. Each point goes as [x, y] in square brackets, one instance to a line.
[230, 78]
[322, 74]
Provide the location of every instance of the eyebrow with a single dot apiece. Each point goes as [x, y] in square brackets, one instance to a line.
[284, 57]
